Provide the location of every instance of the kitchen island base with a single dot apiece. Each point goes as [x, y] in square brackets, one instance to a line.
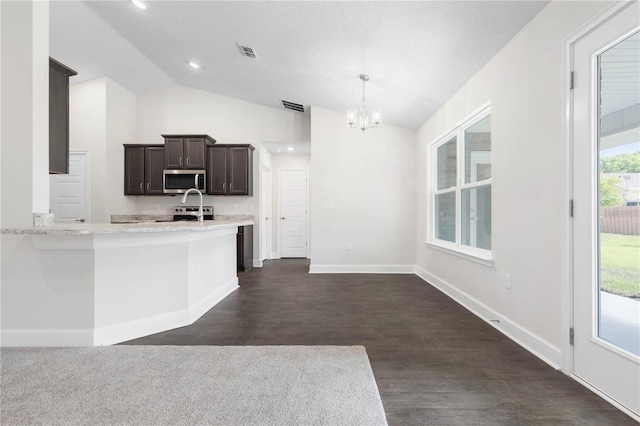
[102, 289]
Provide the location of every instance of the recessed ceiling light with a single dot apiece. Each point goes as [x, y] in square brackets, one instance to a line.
[194, 65]
[290, 148]
[139, 4]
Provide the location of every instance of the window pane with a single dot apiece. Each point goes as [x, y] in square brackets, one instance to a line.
[447, 160]
[446, 216]
[618, 248]
[477, 151]
[476, 217]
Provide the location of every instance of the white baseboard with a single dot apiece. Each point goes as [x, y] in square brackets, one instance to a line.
[46, 337]
[362, 269]
[118, 333]
[275, 255]
[257, 263]
[200, 308]
[129, 330]
[541, 348]
[143, 327]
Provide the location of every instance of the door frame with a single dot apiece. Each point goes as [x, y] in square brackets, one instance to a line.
[306, 207]
[567, 286]
[87, 156]
[266, 228]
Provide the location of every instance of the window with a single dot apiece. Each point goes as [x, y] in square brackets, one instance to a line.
[460, 193]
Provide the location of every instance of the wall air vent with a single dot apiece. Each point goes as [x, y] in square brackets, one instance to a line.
[247, 51]
[292, 106]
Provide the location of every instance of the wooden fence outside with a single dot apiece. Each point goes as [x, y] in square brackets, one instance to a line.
[620, 220]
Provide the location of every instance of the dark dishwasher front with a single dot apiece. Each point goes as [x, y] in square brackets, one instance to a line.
[245, 248]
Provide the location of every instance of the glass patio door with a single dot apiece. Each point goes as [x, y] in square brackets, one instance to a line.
[606, 229]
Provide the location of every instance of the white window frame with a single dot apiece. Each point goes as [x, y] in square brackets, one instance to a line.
[475, 254]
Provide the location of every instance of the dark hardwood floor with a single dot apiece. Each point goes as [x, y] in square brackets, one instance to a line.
[435, 363]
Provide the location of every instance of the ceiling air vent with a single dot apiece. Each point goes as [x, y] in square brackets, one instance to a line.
[247, 51]
[292, 106]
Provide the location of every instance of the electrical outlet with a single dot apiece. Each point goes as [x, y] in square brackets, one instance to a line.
[507, 281]
[348, 247]
[329, 206]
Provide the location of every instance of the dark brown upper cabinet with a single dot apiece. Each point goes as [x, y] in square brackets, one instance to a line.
[143, 165]
[217, 170]
[186, 151]
[230, 170]
[59, 116]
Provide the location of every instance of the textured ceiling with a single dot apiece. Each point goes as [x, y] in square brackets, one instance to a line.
[416, 53]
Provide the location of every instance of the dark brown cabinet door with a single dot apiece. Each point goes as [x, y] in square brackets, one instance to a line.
[229, 170]
[143, 165]
[186, 151]
[153, 165]
[59, 116]
[194, 152]
[238, 171]
[217, 170]
[134, 158]
[173, 153]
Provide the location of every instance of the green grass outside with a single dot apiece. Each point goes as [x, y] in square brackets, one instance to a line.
[620, 264]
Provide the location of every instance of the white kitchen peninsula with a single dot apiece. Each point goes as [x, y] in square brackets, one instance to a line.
[100, 284]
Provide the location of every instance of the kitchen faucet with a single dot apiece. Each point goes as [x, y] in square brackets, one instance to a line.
[199, 215]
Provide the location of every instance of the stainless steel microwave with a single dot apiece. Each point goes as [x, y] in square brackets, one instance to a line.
[179, 181]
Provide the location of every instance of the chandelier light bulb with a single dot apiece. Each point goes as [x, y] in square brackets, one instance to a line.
[376, 116]
[352, 115]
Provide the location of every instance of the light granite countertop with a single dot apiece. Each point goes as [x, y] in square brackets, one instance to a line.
[129, 228]
[142, 218]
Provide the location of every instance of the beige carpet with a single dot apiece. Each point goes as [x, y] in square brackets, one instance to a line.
[222, 385]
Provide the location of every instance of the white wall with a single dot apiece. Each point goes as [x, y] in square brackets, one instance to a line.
[370, 178]
[101, 119]
[88, 131]
[524, 83]
[25, 111]
[120, 129]
[283, 162]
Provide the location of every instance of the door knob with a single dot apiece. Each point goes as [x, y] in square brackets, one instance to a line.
[80, 220]
[283, 218]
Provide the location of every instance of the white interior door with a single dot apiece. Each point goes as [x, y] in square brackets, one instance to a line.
[606, 351]
[267, 212]
[70, 193]
[293, 213]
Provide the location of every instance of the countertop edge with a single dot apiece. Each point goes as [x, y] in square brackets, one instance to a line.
[126, 228]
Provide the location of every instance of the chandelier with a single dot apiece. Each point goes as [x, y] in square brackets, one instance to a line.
[362, 119]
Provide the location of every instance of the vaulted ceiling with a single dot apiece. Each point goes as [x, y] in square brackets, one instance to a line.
[416, 53]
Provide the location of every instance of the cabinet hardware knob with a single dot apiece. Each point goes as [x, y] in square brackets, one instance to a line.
[224, 185]
[180, 161]
[231, 186]
[187, 161]
[148, 185]
[141, 186]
